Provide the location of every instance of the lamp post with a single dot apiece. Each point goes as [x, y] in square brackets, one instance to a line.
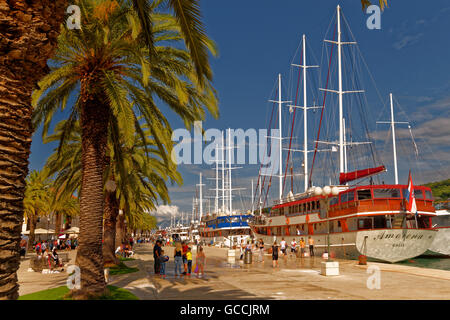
[329, 267]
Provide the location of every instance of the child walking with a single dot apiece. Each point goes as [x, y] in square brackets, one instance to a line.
[201, 260]
[162, 264]
[189, 261]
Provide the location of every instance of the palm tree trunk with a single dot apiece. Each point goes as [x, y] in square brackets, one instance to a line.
[120, 227]
[111, 212]
[32, 236]
[94, 123]
[58, 219]
[28, 33]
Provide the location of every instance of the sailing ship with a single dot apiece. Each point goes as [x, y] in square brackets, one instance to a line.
[441, 223]
[224, 226]
[343, 220]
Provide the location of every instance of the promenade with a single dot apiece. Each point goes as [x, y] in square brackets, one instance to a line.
[295, 279]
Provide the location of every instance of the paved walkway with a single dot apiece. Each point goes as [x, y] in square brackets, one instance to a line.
[294, 279]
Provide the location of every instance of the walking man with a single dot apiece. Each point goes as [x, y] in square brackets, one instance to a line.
[302, 247]
[311, 246]
[156, 256]
[293, 247]
[283, 246]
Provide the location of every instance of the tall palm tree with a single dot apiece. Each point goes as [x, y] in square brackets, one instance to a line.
[63, 206]
[29, 31]
[137, 176]
[110, 66]
[36, 202]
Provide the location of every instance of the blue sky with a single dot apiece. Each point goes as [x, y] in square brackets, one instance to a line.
[258, 39]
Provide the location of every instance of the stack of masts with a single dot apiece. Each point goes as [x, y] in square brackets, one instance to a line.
[226, 181]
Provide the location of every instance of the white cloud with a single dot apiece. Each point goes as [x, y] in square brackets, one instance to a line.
[166, 211]
[407, 40]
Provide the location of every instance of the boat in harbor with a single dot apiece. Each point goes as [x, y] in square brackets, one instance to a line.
[224, 226]
[349, 218]
[441, 223]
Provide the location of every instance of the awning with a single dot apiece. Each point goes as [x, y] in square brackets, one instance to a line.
[359, 174]
[72, 230]
[40, 231]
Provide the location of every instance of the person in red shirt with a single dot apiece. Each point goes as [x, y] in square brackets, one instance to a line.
[185, 250]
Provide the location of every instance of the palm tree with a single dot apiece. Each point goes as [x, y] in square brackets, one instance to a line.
[37, 24]
[36, 202]
[28, 34]
[115, 81]
[63, 206]
[135, 179]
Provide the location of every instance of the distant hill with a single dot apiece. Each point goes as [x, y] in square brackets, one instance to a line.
[440, 189]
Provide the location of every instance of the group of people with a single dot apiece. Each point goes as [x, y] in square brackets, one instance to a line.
[50, 257]
[125, 250]
[276, 249]
[182, 255]
[294, 249]
[60, 244]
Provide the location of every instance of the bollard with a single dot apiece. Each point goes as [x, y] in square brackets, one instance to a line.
[362, 260]
[248, 257]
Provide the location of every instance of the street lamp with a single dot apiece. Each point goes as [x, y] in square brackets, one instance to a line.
[329, 267]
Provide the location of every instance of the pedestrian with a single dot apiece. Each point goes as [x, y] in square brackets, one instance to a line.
[23, 247]
[241, 249]
[177, 255]
[185, 250]
[261, 250]
[275, 249]
[189, 261]
[162, 261]
[56, 257]
[156, 254]
[311, 246]
[38, 248]
[302, 247]
[201, 261]
[283, 246]
[43, 246]
[293, 247]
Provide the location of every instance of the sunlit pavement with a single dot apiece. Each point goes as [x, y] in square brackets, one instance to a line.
[295, 278]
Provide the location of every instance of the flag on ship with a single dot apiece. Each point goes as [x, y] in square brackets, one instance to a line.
[411, 200]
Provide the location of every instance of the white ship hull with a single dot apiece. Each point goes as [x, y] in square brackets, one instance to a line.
[225, 241]
[441, 243]
[391, 245]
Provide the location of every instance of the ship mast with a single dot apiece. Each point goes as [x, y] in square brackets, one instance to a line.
[229, 170]
[201, 197]
[341, 143]
[216, 200]
[305, 113]
[392, 123]
[340, 93]
[280, 178]
[223, 173]
[280, 139]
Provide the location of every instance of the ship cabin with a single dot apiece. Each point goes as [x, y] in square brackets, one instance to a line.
[226, 226]
[358, 208]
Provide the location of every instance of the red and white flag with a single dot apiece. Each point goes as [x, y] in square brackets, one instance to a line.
[411, 200]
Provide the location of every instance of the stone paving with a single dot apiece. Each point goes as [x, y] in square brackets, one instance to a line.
[294, 279]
